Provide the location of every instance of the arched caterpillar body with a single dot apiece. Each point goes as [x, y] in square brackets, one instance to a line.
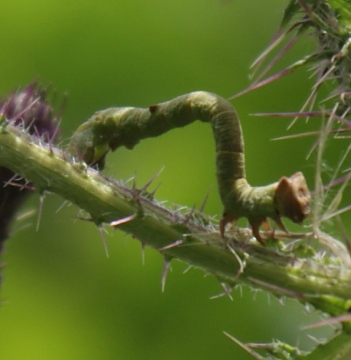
[126, 126]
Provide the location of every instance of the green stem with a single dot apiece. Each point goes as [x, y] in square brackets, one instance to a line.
[311, 280]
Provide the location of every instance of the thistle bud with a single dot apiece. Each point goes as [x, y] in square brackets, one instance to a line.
[29, 110]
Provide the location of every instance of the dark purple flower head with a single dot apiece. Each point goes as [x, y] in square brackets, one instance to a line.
[26, 108]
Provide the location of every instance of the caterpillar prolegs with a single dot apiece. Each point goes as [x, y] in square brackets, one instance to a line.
[126, 126]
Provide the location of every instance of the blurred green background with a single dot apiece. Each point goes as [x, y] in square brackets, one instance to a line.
[61, 297]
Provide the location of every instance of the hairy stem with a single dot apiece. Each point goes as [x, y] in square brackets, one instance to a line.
[310, 279]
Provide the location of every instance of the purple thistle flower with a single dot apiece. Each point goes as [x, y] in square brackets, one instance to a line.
[26, 108]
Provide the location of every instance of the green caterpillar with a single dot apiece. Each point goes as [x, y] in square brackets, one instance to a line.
[109, 129]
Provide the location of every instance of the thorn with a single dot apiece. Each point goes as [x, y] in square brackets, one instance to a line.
[55, 133]
[40, 210]
[15, 181]
[165, 270]
[19, 185]
[336, 213]
[143, 246]
[152, 193]
[12, 181]
[227, 292]
[103, 238]
[188, 216]
[172, 245]
[51, 147]
[84, 219]
[151, 180]
[265, 82]
[280, 54]
[315, 340]
[122, 221]
[133, 187]
[329, 321]
[202, 207]
[297, 136]
[187, 269]
[277, 38]
[246, 347]
[64, 203]
[135, 193]
[308, 114]
[241, 263]
[294, 114]
[27, 108]
[277, 289]
[25, 215]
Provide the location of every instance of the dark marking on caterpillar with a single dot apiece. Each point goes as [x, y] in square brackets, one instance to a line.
[115, 127]
[153, 108]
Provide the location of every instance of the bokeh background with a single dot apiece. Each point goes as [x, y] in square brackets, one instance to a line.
[62, 298]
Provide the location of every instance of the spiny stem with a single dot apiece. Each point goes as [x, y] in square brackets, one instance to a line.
[310, 279]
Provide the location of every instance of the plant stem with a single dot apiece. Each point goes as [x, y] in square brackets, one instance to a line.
[326, 284]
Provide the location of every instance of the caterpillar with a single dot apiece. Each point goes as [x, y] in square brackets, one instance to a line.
[114, 127]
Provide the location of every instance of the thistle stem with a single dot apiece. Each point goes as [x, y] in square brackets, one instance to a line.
[326, 285]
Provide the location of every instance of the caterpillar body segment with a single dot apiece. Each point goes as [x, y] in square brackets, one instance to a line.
[115, 127]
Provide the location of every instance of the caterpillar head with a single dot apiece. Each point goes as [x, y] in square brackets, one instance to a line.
[292, 198]
[93, 140]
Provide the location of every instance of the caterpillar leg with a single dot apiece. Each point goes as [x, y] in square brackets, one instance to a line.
[255, 226]
[256, 231]
[281, 226]
[226, 219]
[267, 228]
